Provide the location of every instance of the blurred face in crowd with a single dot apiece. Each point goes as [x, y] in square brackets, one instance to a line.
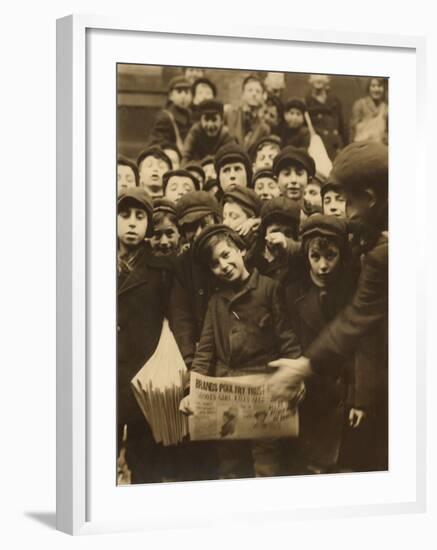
[227, 262]
[364, 208]
[334, 204]
[324, 259]
[192, 74]
[312, 199]
[233, 215]
[211, 123]
[292, 181]
[376, 89]
[231, 174]
[132, 225]
[181, 97]
[177, 187]
[165, 239]
[151, 171]
[270, 114]
[319, 82]
[209, 169]
[174, 157]
[125, 177]
[294, 118]
[265, 156]
[203, 91]
[266, 188]
[192, 230]
[275, 83]
[253, 93]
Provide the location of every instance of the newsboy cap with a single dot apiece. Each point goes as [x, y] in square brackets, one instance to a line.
[209, 231]
[362, 164]
[281, 208]
[139, 197]
[212, 106]
[324, 226]
[232, 152]
[164, 205]
[178, 82]
[195, 205]
[294, 155]
[245, 197]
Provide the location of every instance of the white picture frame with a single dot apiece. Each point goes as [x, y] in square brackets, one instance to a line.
[74, 344]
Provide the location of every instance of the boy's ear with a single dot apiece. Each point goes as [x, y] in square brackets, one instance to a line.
[371, 197]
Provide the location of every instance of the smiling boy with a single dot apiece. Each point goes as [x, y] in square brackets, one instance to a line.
[207, 135]
[293, 169]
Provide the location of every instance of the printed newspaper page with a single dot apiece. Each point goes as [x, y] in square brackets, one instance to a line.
[238, 408]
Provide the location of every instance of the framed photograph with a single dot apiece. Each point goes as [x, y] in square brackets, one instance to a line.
[234, 340]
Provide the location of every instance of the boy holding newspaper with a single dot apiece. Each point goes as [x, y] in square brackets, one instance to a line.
[245, 328]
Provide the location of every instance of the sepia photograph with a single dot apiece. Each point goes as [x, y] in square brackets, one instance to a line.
[252, 274]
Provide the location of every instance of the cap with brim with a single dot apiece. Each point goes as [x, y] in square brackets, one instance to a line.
[181, 173]
[324, 226]
[330, 185]
[207, 160]
[178, 82]
[209, 231]
[245, 197]
[164, 205]
[293, 155]
[281, 208]
[210, 106]
[195, 205]
[139, 197]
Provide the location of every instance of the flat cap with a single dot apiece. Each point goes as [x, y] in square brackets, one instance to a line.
[137, 196]
[294, 155]
[209, 231]
[245, 197]
[362, 164]
[178, 82]
[210, 106]
[195, 205]
[324, 226]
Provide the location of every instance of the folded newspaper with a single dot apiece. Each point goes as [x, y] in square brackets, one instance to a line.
[238, 408]
[158, 388]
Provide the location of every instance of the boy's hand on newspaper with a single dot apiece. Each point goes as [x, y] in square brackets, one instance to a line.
[288, 377]
[299, 394]
[356, 416]
[184, 406]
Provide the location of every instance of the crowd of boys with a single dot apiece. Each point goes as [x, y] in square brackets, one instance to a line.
[261, 265]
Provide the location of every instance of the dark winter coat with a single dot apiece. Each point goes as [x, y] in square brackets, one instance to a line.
[198, 145]
[298, 137]
[322, 413]
[142, 297]
[245, 329]
[192, 287]
[163, 128]
[361, 329]
[327, 119]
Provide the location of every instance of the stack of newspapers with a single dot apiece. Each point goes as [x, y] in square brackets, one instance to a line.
[158, 388]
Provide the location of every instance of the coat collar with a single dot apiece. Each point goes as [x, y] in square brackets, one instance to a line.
[229, 294]
[140, 274]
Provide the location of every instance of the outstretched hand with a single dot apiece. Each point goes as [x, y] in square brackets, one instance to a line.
[289, 376]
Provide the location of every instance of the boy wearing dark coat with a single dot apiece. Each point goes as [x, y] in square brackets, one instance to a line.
[295, 131]
[245, 326]
[361, 328]
[143, 287]
[312, 301]
[173, 123]
[209, 134]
